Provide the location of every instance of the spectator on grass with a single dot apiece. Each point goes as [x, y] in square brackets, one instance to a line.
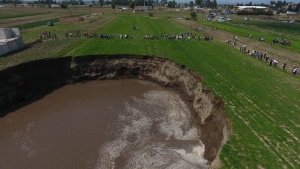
[295, 69]
[275, 62]
[271, 60]
[284, 65]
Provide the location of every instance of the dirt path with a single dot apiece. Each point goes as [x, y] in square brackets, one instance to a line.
[292, 58]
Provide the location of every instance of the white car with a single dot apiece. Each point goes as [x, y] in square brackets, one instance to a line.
[221, 20]
[292, 21]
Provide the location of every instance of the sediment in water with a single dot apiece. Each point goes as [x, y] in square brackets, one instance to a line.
[34, 78]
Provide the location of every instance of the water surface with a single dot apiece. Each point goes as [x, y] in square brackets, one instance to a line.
[102, 125]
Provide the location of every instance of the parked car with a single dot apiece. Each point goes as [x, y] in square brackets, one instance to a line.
[292, 21]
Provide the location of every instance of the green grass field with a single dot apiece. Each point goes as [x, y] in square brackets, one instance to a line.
[19, 15]
[268, 30]
[35, 24]
[261, 101]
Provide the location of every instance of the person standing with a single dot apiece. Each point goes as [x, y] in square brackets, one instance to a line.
[284, 65]
[295, 69]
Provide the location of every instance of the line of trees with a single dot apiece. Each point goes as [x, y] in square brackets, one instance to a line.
[255, 12]
[11, 2]
[206, 3]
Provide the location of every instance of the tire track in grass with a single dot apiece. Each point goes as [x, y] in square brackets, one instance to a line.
[268, 142]
[263, 141]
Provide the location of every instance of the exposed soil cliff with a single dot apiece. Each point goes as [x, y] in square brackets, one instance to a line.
[21, 82]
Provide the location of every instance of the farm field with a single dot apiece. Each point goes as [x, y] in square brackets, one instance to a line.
[268, 30]
[261, 100]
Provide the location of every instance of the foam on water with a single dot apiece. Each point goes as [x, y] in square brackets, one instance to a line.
[154, 132]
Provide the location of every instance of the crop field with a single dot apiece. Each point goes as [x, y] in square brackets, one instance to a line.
[262, 101]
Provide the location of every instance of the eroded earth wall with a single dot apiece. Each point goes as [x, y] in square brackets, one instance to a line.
[40, 77]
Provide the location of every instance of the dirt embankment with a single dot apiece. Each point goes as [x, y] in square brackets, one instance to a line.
[34, 78]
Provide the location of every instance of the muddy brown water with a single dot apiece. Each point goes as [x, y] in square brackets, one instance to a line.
[102, 124]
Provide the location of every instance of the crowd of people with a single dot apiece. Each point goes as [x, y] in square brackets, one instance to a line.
[47, 35]
[282, 41]
[271, 61]
[181, 36]
[185, 36]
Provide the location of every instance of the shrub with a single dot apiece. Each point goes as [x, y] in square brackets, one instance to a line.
[64, 6]
[150, 14]
[193, 15]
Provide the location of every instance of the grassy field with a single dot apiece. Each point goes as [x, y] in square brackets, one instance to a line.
[18, 15]
[35, 24]
[262, 101]
[50, 48]
[268, 30]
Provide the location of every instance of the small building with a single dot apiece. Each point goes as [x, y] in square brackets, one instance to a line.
[55, 6]
[10, 40]
[24, 5]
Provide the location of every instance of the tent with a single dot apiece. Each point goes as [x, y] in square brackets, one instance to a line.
[50, 24]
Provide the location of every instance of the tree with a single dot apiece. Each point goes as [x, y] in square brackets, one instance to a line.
[279, 4]
[64, 5]
[171, 4]
[107, 2]
[213, 4]
[250, 4]
[132, 5]
[101, 2]
[81, 2]
[191, 4]
[284, 3]
[290, 8]
[199, 3]
[193, 15]
[298, 7]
